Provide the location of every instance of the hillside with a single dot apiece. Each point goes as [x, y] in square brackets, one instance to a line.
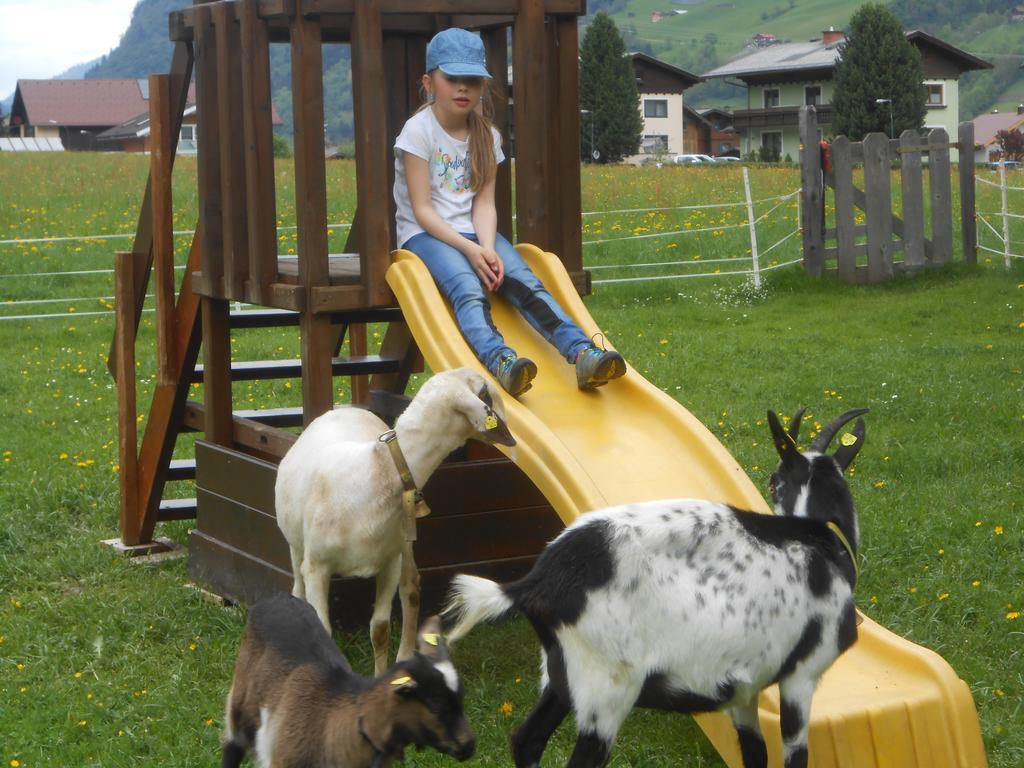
[696, 35]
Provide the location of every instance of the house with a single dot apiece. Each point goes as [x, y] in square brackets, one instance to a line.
[724, 141]
[669, 127]
[986, 128]
[76, 111]
[782, 78]
[764, 39]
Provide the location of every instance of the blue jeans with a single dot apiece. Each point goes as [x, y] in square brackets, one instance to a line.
[462, 287]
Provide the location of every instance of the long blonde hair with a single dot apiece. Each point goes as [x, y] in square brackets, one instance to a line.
[483, 165]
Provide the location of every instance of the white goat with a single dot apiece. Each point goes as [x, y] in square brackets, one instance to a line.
[295, 701]
[690, 606]
[339, 494]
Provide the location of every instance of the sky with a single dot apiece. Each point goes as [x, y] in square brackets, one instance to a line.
[42, 38]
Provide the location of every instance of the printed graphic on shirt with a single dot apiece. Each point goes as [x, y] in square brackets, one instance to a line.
[452, 172]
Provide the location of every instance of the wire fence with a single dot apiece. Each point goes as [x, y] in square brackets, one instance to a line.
[602, 255]
[1006, 249]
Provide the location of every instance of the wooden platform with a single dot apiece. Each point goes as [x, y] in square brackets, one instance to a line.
[487, 519]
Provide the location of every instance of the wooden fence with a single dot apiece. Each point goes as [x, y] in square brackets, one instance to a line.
[867, 252]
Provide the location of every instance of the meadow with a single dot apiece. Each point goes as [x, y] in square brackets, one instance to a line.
[108, 663]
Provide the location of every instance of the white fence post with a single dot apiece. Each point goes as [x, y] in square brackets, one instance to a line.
[753, 228]
[1006, 218]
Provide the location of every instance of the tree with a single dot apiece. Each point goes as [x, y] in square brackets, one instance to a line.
[1011, 144]
[877, 62]
[608, 92]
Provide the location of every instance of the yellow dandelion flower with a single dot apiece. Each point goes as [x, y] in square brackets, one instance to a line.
[506, 708]
[976, 583]
[942, 552]
[880, 484]
[1013, 615]
[15, 764]
[944, 596]
[998, 530]
[999, 692]
[977, 524]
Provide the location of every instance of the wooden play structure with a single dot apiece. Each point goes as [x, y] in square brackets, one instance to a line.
[867, 252]
[235, 548]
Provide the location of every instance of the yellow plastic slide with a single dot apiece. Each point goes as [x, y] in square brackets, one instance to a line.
[886, 703]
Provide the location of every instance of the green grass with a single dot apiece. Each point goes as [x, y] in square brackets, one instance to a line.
[108, 663]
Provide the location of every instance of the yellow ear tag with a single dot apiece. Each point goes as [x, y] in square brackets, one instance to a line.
[429, 638]
[491, 422]
[401, 680]
[848, 439]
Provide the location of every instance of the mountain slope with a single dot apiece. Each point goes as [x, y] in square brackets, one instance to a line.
[696, 35]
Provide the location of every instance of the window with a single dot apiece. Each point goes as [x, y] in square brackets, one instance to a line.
[771, 97]
[188, 133]
[812, 95]
[655, 107]
[936, 95]
[654, 144]
[771, 144]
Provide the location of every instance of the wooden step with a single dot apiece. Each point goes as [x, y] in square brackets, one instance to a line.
[192, 418]
[354, 365]
[176, 509]
[182, 469]
[277, 318]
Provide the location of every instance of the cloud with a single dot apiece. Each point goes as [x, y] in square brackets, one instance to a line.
[42, 39]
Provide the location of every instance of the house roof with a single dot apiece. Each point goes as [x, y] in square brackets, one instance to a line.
[137, 127]
[688, 78]
[83, 102]
[987, 126]
[819, 55]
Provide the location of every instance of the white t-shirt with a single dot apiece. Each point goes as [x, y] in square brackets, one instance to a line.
[448, 161]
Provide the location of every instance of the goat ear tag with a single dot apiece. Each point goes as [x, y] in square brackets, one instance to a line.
[429, 638]
[848, 439]
[401, 680]
[491, 422]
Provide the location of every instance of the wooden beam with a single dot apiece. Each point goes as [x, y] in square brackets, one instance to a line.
[163, 223]
[569, 224]
[208, 97]
[812, 211]
[217, 370]
[465, 7]
[372, 151]
[232, 152]
[259, 153]
[968, 225]
[529, 64]
[127, 425]
[497, 63]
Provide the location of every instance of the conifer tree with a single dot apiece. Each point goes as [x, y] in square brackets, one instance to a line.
[608, 92]
[877, 62]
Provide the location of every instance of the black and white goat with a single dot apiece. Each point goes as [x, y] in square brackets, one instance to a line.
[340, 494]
[295, 701]
[690, 606]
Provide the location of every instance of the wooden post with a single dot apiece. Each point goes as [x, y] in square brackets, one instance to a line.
[813, 193]
[217, 407]
[127, 425]
[163, 224]
[569, 231]
[528, 61]
[878, 191]
[1005, 212]
[209, 162]
[968, 224]
[311, 212]
[846, 232]
[372, 151]
[912, 188]
[259, 152]
[942, 200]
[497, 62]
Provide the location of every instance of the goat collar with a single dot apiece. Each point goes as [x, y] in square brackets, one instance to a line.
[849, 550]
[412, 497]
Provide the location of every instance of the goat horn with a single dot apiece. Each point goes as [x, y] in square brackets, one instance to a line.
[824, 437]
[794, 423]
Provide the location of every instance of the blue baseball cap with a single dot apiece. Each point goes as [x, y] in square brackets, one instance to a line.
[458, 53]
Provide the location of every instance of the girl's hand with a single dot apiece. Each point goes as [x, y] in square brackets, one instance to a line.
[488, 265]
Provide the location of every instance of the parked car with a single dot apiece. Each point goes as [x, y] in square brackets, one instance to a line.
[692, 159]
[1010, 164]
[726, 159]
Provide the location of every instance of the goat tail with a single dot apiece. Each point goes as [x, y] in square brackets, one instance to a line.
[472, 599]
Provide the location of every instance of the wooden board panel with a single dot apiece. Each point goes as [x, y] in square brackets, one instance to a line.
[878, 192]
[160, 164]
[234, 475]
[912, 188]
[846, 230]
[529, 55]
[941, 198]
[209, 162]
[968, 225]
[217, 370]
[812, 210]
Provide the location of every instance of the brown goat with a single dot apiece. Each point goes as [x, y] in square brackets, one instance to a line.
[295, 701]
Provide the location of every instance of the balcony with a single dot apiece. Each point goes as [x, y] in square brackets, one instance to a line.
[776, 117]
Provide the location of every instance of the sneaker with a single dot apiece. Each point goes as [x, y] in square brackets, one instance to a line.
[515, 374]
[595, 367]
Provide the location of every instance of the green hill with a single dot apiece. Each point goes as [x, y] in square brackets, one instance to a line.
[696, 35]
